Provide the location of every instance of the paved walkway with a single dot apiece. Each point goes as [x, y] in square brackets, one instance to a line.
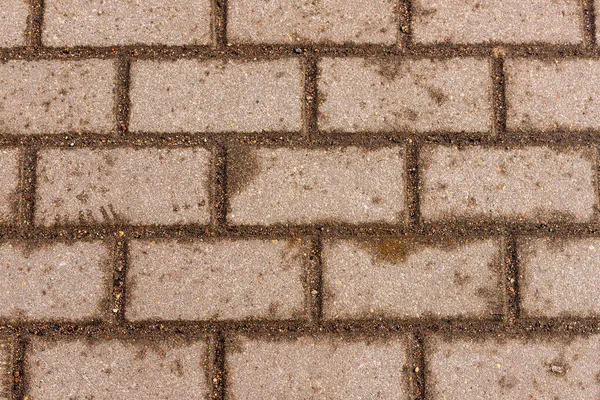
[299, 199]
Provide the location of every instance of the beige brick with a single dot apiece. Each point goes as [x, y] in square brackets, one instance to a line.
[390, 94]
[552, 95]
[529, 183]
[391, 277]
[9, 181]
[303, 186]
[317, 368]
[49, 96]
[216, 96]
[109, 23]
[222, 279]
[503, 21]
[54, 281]
[138, 186]
[559, 276]
[514, 369]
[337, 21]
[13, 22]
[112, 369]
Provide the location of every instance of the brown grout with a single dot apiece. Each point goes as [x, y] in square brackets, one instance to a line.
[314, 280]
[219, 24]
[218, 200]
[417, 365]
[119, 278]
[498, 97]
[33, 33]
[311, 97]
[404, 22]
[216, 371]
[123, 102]
[413, 187]
[511, 280]
[589, 24]
[19, 377]
[27, 183]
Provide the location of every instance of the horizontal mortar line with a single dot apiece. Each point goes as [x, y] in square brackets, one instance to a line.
[297, 139]
[451, 229]
[269, 51]
[273, 328]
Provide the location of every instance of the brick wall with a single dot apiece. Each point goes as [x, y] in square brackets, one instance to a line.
[241, 199]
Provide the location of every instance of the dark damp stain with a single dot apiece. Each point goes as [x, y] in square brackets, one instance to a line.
[557, 367]
[461, 279]
[389, 250]
[243, 167]
[508, 381]
[388, 68]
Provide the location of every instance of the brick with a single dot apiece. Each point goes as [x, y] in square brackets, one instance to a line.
[389, 94]
[514, 369]
[552, 95]
[111, 369]
[306, 368]
[225, 279]
[530, 183]
[216, 96]
[500, 21]
[391, 277]
[13, 22]
[45, 97]
[138, 186]
[6, 371]
[559, 276]
[9, 181]
[108, 23]
[305, 21]
[50, 281]
[303, 186]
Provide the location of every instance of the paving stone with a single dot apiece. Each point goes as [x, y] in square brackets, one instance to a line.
[138, 186]
[305, 21]
[559, 276]
[225, 279]
[6, 371]
[216, 96]
[504, 21]
[9, 181]
[307, 368]
[13, 22]
[514, 369]
[47, 96]
[108, 23]
[358, 94]
[391, 277]
[114, 369]
[530, 183]
[54, 281]
[552, 95]
[303, 186]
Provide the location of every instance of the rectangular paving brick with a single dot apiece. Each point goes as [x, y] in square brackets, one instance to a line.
[514, 369]
[506, 21]
[54, 281]
[530, 183]
[391, 277]
[49, 96]
[9, 181]
[109, 23]
[114, 369]
[225, 279]
[424, 95]
[559, 276]
[13, 22]
[337, 21]
[307, 368]
[137, 186]
[303, 186]
[216, 96]
[6, 370]
[552, 95]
